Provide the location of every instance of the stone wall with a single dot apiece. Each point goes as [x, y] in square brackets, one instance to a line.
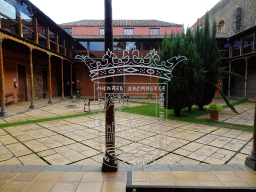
[228, 11]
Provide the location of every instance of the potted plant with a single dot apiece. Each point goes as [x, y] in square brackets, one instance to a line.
[74, 95]
[150, 96]
[214, 111]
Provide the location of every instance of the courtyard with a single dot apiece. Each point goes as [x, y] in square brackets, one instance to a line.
[80, 140]
[59, 147]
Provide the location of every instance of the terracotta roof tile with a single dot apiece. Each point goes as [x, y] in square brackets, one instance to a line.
[101, 23]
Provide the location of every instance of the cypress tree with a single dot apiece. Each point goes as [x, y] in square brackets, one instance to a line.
[208, 50]
[182, 89]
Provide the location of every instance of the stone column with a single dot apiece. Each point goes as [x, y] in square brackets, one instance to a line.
[32, 106]
[251, 160]
[3, 112]
[50, 78]
[62, 81]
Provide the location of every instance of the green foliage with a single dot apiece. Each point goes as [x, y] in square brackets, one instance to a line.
[183, 88]
[208, 50]
[215, 107]
[150, 94]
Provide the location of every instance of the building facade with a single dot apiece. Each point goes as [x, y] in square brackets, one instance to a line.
[35, 55]
[145, 35]
[236, 31]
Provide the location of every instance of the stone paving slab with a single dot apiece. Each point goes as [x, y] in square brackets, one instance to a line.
[180, 143]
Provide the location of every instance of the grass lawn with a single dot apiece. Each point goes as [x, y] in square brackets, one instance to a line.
[149, 109]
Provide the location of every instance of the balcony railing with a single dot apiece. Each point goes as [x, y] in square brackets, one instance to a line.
[224, 53]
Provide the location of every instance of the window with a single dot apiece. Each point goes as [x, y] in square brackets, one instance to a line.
[128, 31]
[154, 31]
[68, 30]
[97, 46]
[102, 32]
[221, 26]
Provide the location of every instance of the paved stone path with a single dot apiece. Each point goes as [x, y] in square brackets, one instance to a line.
[80, 141]
[66, 155]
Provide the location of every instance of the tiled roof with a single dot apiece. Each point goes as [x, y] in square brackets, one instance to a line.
[101, 23]
[119, 37]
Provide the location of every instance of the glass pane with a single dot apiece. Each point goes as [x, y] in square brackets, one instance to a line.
[248, 39]
[129, 45]
[7, 9]
[97, 46]
[69, 31]
[128, 31]
[237, 43]
[84, 43]
[119, 45]
[8, 24]
[154, 31]
[26, 20]
[26, 9]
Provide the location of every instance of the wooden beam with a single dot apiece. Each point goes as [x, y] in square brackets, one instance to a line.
[19, 24]
[245, 76]
[50, 78]
[5, 36]
[35, 34]
[62, 81]
[242, 47]
[47, 34]
[57, 43]
[229, 79]
[64, 47]
[70, 52]
[32, 106]
[2, 85]
[230, 49]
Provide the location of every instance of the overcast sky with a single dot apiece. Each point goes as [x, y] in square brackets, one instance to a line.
[174, 11]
